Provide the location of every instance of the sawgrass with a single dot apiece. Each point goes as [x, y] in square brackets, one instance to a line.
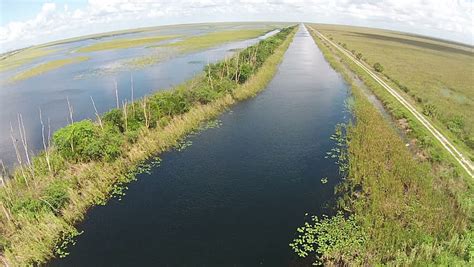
[45, 67]
[215, 38]
[16, 59]
[124, 43]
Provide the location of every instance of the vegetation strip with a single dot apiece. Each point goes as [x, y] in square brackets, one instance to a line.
[396, 209]
[45, 67]
[211, 39]
[124, 43]
[20, 57]
[460, 158]
[89, 161]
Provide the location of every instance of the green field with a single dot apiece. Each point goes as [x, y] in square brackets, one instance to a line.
[45, 67]
[16, 59]
[437, 75]
[124, 43]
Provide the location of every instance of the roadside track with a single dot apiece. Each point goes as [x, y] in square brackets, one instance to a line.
[458, 156]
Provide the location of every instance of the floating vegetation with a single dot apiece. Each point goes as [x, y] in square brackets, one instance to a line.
[324, 180]
[182, 145]
[339, 152]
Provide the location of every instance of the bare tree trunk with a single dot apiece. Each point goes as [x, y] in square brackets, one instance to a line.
[18, 156]
[116, 94]
[71, 111]
[4, 173]
[132, 88]
[237, 71]
[21, 128]
[46, 149]
[124, 105]
[97, 114]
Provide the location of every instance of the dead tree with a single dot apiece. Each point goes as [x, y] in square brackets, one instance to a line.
[71, 111]
[97, 114]
[46, 148]
[116, 94]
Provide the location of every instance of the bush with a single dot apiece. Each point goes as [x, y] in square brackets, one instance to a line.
[28, 206]
[114, 117]
[456, 124]
[430, 110]
[56, 194]
[84, 141]
[378, 67]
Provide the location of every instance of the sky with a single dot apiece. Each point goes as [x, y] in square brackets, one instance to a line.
[29, 22]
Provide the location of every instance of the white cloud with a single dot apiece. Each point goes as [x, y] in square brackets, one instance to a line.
[451, 19]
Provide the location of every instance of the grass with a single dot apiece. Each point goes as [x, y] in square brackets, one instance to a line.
[45, 67]
[196, 43]
[405, 210]
[42, 202]
[124, 43]
[430, 72]
[16, 59]
[216, 38]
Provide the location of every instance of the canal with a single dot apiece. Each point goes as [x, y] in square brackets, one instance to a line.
[236, 195]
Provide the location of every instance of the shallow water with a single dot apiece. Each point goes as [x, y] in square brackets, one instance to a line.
[50, 90]
[237, 194]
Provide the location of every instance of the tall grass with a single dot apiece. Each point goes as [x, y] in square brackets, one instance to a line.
[39, 207]
[404, 210]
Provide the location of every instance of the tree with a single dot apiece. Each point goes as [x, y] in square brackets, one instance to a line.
[378, 67]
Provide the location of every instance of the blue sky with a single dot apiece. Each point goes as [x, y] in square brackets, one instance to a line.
[21, 10]
[29, 22]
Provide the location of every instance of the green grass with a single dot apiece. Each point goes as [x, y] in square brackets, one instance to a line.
[124, 43]
[407, 210]
[40, 204]
[17, 59]
[216, 38]
[45, 67]
[434, 74]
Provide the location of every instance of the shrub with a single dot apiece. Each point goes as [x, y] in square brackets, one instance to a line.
[359, 56]
[84, 141]
[115, 118]
[430, 110]
[56, 194]
[378, 67]
[456, 124]
[28, 206]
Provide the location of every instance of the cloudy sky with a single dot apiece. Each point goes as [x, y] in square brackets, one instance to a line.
[28, 22]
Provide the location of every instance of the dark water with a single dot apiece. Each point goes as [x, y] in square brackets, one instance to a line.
[235, 197]
[50, 90]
